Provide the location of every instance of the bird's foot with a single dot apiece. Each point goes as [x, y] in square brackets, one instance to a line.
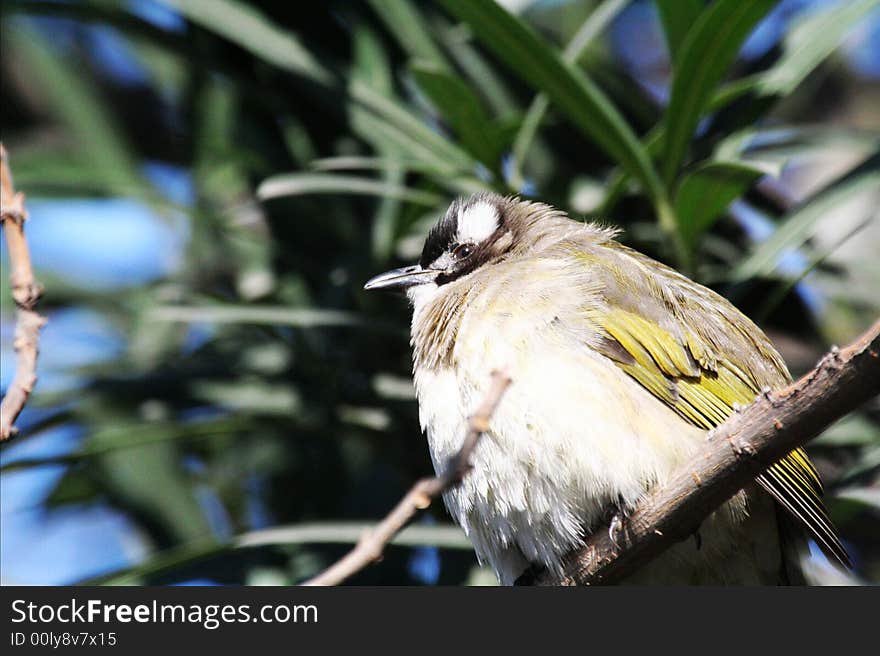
[616, 527]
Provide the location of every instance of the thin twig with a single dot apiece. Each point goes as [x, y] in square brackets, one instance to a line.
[735, 453]
[25, 292]
[371, 545]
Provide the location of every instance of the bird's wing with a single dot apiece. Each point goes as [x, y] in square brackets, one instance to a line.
[697, 353]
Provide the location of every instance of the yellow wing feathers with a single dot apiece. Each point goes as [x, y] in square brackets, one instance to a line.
[698, 354]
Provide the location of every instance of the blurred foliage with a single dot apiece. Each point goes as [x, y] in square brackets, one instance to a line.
[323, 139]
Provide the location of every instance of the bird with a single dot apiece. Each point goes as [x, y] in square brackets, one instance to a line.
[620, 368]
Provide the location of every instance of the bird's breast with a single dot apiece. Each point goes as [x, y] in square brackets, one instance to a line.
[572, 436]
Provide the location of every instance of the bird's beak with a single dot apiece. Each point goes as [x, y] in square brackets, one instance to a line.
[403, 278]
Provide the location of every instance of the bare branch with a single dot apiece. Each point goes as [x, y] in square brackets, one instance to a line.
[372, 543]
[735, 453]
[25, 292]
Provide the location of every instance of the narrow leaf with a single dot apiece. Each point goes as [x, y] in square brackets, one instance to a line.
[442, 536]
[250, 29]
[360, 163]
[401, 119]
[297, 184]
[595, 23]
[707, 191]
[677, 17]
[257, 314]
[806, 46]
[472, 62]
[783, 142]
[706, 54]
[462, 110]
[72, 99]
[405, 22]
[530, 58]
[130, 436]
[798, 226]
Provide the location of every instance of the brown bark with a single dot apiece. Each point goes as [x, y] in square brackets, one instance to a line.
[25, 292]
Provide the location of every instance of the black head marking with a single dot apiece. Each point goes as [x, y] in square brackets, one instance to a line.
[442, 236]
[462, 255]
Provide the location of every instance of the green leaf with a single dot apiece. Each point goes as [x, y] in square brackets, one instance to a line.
[249, 395]
[568, 89]
[73, 100]
[161, 563]
[401, 119]
[868, 461]
[677, 17]
[405, 22]
[459, 43]
[805, 47]
[797, 227]
[254, 32]
[60, 170]
[385, 221]
[600, 18]
[153, 480]
[373, 67]
[443, 536]
[123, 436]
[360, 163]
[462, 110]
[852, 430]
[705, 56]
[783, 142]
[775, 296]
[416, 535]
[251, 30]
[808, 44]
[383, 134]
[619, 181]
[296, 184]
[595, 23]
[75, 487]
[397, 167]
[705, 193]
[868, 496]
[261, 314]
[371, 61]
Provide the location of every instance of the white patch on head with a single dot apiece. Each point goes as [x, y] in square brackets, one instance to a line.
[477, 223]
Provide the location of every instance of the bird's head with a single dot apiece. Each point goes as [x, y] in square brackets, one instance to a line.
[474, 233]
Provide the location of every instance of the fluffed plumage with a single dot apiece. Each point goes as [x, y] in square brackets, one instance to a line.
[620, 366]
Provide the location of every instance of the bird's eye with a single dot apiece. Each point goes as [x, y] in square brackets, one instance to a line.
[463, 250]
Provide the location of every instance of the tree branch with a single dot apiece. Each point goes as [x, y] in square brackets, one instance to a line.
[734, 454]
[25, 292]
[372, 543]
